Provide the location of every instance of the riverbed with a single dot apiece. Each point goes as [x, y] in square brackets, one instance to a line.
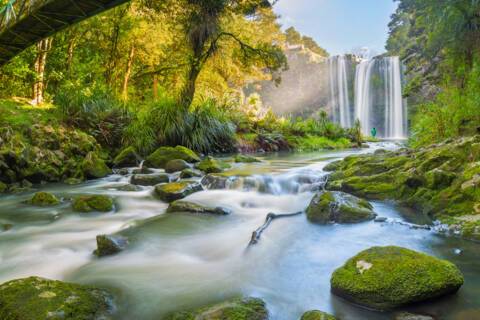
[181, 261]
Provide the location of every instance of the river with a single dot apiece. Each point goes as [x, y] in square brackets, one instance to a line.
[180, 261]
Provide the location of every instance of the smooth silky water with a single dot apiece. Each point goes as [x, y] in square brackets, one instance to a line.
[180, 261]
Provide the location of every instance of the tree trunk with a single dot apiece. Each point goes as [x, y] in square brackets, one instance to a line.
[70, 49]
[39, 67]
[128, 71]
[188, 91]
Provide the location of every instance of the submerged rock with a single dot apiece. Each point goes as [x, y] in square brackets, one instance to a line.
[190, 173]
[142, 170]
[73, 181]
[129, 188]
[149, 179]
[185, 206]
[384, 278]
[412, 316]
[128, 157]
[94, 167]
[5, 226]
[241, 158]
[214, 182]
[237, 309]
[109, 245]
[170, 192]
[162, 155]
[43, 199]
[176, 165]
[340, 207]
[317, 315]
[92, 203]
[36, 298]
[212, 165]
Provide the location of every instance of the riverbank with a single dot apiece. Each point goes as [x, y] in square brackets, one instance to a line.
[441, 180]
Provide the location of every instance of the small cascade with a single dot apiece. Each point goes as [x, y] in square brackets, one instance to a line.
[339, 91]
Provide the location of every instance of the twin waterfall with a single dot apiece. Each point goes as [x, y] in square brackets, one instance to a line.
[370, 91]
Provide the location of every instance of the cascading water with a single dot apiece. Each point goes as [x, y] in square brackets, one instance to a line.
[378, 101]
[339, 93]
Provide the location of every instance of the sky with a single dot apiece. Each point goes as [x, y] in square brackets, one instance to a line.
[340, 26]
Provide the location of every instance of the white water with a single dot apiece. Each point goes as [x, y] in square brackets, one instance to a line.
[395, 126]
[363, 100]
[339, 93]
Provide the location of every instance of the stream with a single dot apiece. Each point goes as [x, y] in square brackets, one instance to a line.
[181, 261]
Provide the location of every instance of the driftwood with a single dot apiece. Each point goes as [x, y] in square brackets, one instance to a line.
[270, 217]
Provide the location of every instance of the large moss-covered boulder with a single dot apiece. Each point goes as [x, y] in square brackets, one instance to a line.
[170, 192]
[237, 309]
[94, 167]
[242, 158]
[339, 207]
[190, 207]
[176, 165]
[388, 277]
[90, 203]
[36, 298]
[128, 157]
[162, 155]
[212, 165]
[317, 315]
[43, 199]
[149, 179]
[109, 245]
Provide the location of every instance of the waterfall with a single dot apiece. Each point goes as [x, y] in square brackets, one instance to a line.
[339, 93]
[363, 99]
[395, 124]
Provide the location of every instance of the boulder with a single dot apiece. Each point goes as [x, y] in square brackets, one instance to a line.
[43, 199]
[149, 179]
[36, 298]
[237, 309]
[241, 158]
[176, 165]
[439, 179]
[339, 207]
[110, 245]
[142, 170]
[317, 315]
[170, 192]
[162, 155]
[128, 157]
[385, 278]
[94, 167]
[189, 173]
[214, 182]
[212, 165]
[190, 207]
[92, 203]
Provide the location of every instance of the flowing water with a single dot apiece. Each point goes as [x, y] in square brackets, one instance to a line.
[177, 261]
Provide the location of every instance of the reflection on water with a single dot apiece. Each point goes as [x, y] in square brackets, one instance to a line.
[179, 261]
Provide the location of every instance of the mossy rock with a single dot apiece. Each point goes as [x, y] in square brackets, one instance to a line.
[36, 298]
[128, 157]
[190, 207]
[176, 165]
[129, 188]
[214, 181]
[439, 179]
[317, 315]
[333, 166]
[149, 179]
[212, 165]
[384, 278]
[3, 187]
[237, 309]
[5, 226]
[162, 155]
[94, 167]
[412, 316]
[110, 245]
[339, 207]
[92, 203]
[170, 192]
[241, 158]
[44, 199]
[189, 173]
[72, 181]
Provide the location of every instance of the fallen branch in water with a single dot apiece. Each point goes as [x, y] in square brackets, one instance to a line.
[270, 217]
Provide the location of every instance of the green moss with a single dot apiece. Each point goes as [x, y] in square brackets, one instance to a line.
[128, 157]
[44, 199]
[38, 299]
[109, 245]
[237, 309]
[161, 156]
[92, 203]
[3, 187]
[241, 158]
[176, 165]
[149, 179]
[190, 207]
[94, 167]
[313, 143]
[388, 277]
[212, 165]
[317, 315]
[189, 173]
[170, 192]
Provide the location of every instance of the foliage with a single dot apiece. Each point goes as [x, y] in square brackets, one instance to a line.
[294, 37]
